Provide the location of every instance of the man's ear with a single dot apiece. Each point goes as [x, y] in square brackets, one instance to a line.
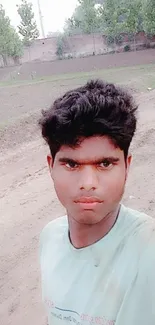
[128, 164]
[50, 164]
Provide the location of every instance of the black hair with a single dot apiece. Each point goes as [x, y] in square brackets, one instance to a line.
[95, 109]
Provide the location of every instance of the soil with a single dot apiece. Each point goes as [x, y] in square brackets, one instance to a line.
[27, 198]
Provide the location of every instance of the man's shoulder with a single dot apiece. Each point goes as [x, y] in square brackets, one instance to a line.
[53, 230]
[56, 223]
[139, 231]
[137, 225]
[139, 218]
[147, 261]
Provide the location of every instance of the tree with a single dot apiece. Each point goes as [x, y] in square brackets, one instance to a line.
[133, 18]
[148, 14]
[84, 18]
[15, 45]
[28, 27]
[112, 18]
[60, 46]
[121, 16]
[73, 25]
[10, 43]
[112, 23]
[89, 21]
[99, 2]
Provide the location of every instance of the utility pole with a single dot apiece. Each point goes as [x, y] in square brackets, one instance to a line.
[41, 19]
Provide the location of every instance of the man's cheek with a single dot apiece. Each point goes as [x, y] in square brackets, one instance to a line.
[62, 189]
[59, 177]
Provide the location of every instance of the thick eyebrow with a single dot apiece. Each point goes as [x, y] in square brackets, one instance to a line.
[90, 162]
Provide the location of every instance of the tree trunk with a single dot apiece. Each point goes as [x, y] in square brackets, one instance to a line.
[29, 50]
[115, 44]
[94, 45]
[16, 60]
[4, 57]
[134, 42]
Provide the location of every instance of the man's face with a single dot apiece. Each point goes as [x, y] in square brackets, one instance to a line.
[89, 180]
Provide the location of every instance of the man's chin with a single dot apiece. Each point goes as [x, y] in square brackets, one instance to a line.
[88, 217]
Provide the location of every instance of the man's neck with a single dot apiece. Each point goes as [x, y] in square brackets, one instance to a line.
[82, 235]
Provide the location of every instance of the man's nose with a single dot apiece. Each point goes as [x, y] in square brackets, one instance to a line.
[88, 179]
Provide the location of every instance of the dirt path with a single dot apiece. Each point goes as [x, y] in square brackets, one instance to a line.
[28, 202]
[39, 69]
[27, 198]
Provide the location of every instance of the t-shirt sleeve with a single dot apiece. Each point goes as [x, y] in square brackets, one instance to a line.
[148, 276]
[146, 284]
[44, 236]
[45, 242]
[50, 233]
[139, 306]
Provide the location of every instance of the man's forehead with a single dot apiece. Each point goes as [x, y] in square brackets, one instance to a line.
[94, 148]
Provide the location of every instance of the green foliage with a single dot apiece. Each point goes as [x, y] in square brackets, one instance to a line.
[99, 2]
[133, 16]
[16, 46]
[73, 25]
[118, 39]
[112, 18]
[111, 12]
[148, 12]
[28, 27]
[60, 47]
[127, 48]
[10, 43]
[84, 19]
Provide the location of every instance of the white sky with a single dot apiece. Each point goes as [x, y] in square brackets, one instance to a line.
[54, 11]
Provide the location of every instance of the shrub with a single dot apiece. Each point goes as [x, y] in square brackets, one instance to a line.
[127, 48]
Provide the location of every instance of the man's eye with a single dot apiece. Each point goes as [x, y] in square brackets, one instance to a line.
[105, 164]
[71, 165]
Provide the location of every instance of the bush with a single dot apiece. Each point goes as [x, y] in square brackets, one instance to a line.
[127, 48]
[69, 56]
[147, 45]
[60, 47]
[110, 40]
[117, 40]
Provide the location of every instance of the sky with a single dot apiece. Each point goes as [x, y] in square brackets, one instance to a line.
[54, 12]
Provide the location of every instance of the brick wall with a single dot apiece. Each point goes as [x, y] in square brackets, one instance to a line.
[76, 46]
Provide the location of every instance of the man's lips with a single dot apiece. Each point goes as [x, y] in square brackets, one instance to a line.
[88, 203]
[88, 200]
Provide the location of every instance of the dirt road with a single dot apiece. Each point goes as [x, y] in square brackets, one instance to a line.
[93, 63]
[28, 202]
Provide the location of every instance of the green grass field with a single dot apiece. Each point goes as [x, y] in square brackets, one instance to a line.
[136, 77]
[21, 99]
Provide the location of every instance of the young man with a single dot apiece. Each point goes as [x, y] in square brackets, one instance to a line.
[98, 261]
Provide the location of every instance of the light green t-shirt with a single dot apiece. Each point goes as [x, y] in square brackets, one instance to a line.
[110, 282]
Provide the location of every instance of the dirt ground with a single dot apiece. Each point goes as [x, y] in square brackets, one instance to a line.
[27, 198]
[39, 69]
